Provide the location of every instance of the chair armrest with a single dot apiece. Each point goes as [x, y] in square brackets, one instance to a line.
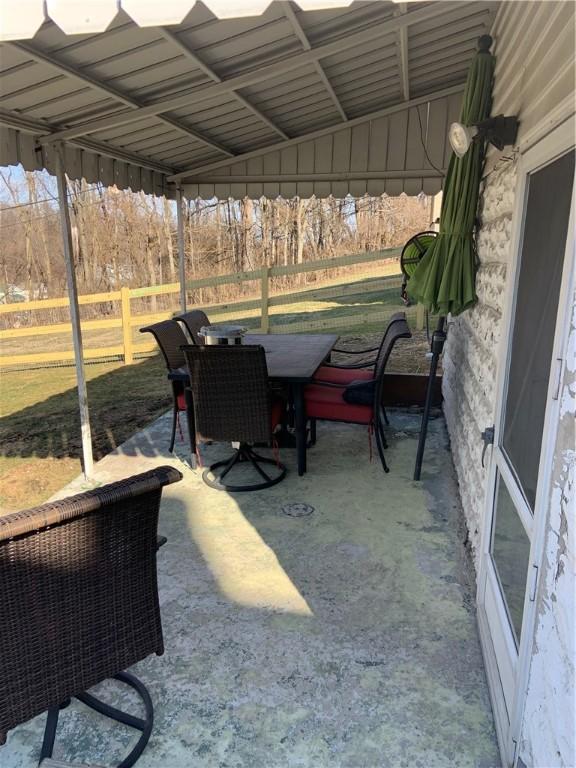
[179, 374]
[350, 366]
[355, 351]
[54, 512]
[319, 382]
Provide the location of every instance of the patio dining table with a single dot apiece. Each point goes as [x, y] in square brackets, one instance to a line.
[292, 359]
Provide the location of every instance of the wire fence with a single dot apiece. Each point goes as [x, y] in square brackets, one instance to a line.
[347, 295]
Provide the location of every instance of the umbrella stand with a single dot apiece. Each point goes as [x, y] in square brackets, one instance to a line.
[437, 345]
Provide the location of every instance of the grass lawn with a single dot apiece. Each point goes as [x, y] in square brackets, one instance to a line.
[40, 427]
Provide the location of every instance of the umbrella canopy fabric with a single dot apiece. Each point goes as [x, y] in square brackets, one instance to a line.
[444, 280]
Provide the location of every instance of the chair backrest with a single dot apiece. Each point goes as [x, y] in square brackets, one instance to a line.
[194, 321]
[78, 591]
[397, 329]
[170, 338]
[395, 318]
[230, 392]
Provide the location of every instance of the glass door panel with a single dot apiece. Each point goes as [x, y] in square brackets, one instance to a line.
[510, 552]
[541, 262]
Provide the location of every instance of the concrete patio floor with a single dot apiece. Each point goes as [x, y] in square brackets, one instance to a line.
[344, 639]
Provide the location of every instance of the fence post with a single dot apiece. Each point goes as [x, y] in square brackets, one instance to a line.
[264, 317]
[420, 317]
[126, 327]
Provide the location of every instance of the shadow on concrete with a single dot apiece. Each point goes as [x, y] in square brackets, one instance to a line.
[121, 402]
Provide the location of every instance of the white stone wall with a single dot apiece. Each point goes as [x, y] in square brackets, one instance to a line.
[470, 354]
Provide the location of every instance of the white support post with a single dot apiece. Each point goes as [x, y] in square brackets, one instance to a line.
[181, 247]
[87, 458]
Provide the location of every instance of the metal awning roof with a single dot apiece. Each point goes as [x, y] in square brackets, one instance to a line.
[288, 101]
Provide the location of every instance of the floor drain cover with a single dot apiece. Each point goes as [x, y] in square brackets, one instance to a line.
[299, 509]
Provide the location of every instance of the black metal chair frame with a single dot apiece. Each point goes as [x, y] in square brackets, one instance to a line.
[379, 412]
[144, 725]
[396, 317]
[367, 364]
[244, 453]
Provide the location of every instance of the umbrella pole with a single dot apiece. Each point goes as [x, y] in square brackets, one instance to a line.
[438, 339]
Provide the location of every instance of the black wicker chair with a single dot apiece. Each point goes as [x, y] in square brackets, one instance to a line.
[79, 597]
[233, 403]
[194, 321]
[331, 401]
[170, 338]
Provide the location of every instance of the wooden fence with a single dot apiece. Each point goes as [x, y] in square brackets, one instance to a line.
[127, 320]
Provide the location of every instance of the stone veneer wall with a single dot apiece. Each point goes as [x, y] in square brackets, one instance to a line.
[471, 350]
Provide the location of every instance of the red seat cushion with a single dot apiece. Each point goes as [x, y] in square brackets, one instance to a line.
[342, 375]
[278, 410]
[327, 403]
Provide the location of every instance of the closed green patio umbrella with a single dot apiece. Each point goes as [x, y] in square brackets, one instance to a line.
[444, 280]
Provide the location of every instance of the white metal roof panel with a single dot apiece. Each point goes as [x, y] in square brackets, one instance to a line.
[169, 100]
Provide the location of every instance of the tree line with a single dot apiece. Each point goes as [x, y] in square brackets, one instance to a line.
[130, 239]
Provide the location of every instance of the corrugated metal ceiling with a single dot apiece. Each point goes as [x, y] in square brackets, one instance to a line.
[183, 98]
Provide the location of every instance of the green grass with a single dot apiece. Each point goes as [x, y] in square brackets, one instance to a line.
[40, 428]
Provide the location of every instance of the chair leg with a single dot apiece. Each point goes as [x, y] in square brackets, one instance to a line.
[245, 453]
[312, 431]
[49, 734]
[174, 422]
[381, 449]
[385, 416]
[380, 429]
[144, 725]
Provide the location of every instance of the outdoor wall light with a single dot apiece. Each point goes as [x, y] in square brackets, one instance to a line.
[499, 131]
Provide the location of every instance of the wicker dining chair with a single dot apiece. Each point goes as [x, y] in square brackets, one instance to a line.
[233, 402]
[359, 401]
[170, 338]
[79, 597]
[194, 321]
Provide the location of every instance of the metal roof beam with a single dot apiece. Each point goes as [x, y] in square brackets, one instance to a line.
[190, 173]
[37, 128]
[209, 72]
[301, 35]
[403, 60]
[259, 75]
[263, 178]
[65, 69]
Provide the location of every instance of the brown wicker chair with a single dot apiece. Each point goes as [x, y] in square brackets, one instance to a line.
[170, 338]
[79, 598]
[194, 321]
[233, 402]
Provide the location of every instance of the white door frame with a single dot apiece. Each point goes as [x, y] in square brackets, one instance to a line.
[508, 724]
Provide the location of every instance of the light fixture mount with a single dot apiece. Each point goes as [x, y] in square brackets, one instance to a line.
[500, 131]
